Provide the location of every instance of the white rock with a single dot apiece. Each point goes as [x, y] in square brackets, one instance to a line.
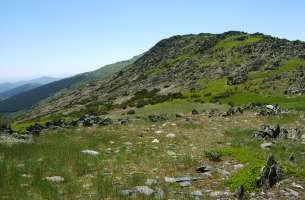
[197, 193]
[169, 179]
[158, 132]
[90, 152]
[270, 107]
[216, 194]
[185, 183]
[238, 166]
[297, 186]
[155, 141]
[266, 145]
[55, 179]
[144, 190]
[171, 135]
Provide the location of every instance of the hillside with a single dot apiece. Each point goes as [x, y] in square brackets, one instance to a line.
[208, 116]
[30, 98]
[232, 68]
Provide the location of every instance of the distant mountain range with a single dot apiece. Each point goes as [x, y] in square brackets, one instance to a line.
[31, 97]
[41, 81]
[18, 90]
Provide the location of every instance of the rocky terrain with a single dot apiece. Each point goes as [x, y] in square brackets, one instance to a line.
[208, 116]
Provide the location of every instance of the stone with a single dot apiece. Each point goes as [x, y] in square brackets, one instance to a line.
[171, 135]
[297, 186]
[171, 153]
[240, 192]
[169, 179]
[55, 179]
[195, 112]
[203, 169]
[216, 194]
[197, 193]
[266, 145]
[144, 190]
[291, 158]
[90, 152]
[185, 183]
[155, 141]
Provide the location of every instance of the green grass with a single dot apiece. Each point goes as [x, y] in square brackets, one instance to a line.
[246, 150]
[233, 42]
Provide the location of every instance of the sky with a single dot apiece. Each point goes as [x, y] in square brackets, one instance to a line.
[65, 37]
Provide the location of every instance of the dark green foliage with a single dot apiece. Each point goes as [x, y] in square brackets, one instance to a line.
[213, 156]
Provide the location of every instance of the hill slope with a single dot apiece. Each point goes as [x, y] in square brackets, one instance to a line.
[29, 98]
[233, 67]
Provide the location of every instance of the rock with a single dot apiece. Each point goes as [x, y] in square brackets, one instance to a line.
[240, 192]
[270, 160]
[238, 166]
[144, 190]
[171, 135]
[297, 186]
[155, 141]
[291, 158]
[151, 182]
[185, 183]
[195, 112]
[216, 194]
[232, 111]
[55, 179]
[90, 152]
[271, 173]
[296, 134]
[292, 192]
[197, 193]
[203, 169]
[169, 179]
[266, 145]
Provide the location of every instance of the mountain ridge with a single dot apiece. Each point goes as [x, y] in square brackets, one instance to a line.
[237, 62]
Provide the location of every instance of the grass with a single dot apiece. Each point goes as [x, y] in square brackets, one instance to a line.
[247, 151]
[128, 157]
[234, 42]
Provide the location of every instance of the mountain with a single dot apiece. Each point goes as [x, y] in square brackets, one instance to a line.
[18, 90]
[41, 80]
[232, 68]
[32, 97]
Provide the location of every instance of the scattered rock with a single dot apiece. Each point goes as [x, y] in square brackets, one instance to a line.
[197, 193]
[155, 141]
[266, 145]
[271, 173]
[195, 112]
[203, 169]
[144, 190]
[159, 193]
[171, 135]
[90, 152]
[55, 179]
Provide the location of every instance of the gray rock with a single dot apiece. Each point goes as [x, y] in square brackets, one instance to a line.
[144, 190]
[240, 192]
[159, 194]
[55, 179]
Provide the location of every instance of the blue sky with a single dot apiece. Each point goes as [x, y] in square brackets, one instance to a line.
[65, 37]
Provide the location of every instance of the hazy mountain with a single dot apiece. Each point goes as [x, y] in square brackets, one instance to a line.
[18, 90]
[41, 80]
